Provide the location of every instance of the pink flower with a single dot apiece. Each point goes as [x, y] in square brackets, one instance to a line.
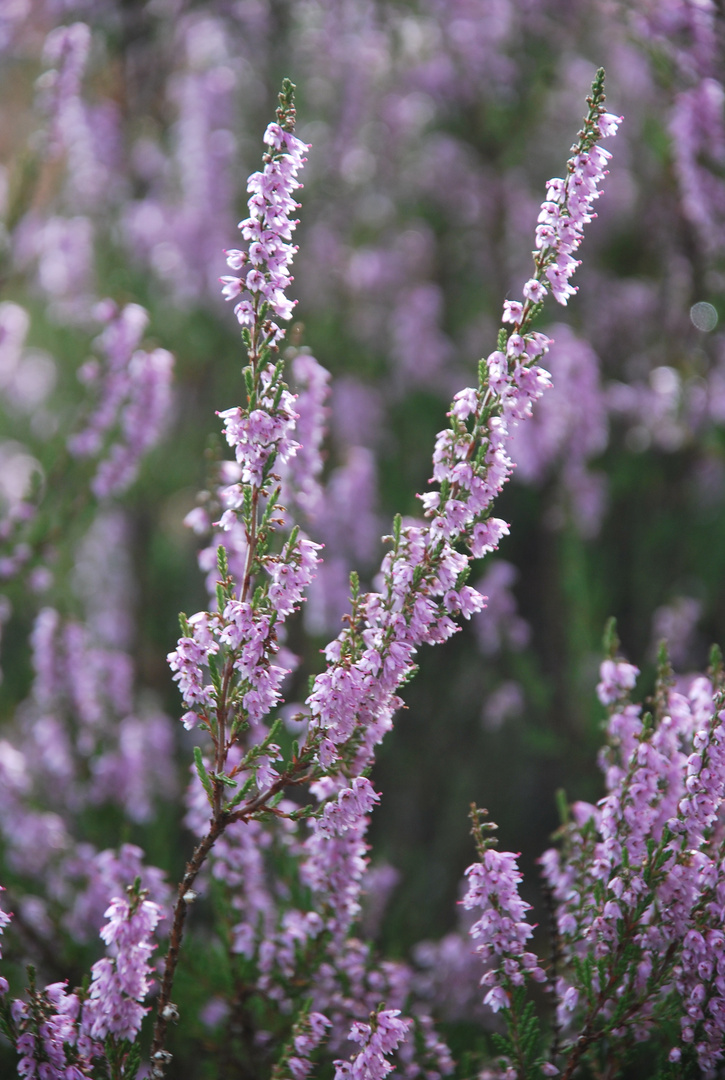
[232, 287]
[512, 311]
[487, 535]
[534, 290]
[617, 678]
[121, 982]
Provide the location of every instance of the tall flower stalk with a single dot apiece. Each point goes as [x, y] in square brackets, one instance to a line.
[226, 661]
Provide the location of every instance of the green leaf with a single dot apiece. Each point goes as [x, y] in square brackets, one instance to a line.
[214, 672]
[278, 395]
[271, 505]
[224, 779]
[501, 1044]
[562, 806]
[272, 733]
[463, 577]
[132, 1062]
[610, 640]
[203, 774]
[716, 663]
[482, 374]
[241, 794]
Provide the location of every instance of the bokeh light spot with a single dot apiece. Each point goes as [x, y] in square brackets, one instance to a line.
[704, 316]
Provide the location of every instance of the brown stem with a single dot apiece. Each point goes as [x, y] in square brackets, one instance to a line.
[554, 962]
[291, 777]
[589, 1035]
[218, 824]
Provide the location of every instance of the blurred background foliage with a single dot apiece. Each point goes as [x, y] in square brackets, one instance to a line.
[433, 128]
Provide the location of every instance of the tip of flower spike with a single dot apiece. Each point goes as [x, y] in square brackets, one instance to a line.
[286, 111]
[596, 95]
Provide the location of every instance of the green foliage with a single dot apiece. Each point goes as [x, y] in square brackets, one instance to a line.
[203, 774]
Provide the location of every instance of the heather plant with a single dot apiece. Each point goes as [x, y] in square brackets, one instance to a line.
[635, 892]
[303, 956]
[156, 115]
[265, 968]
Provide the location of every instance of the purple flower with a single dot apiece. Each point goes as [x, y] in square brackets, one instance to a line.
[120, 983]
[268, 228]
[617, 679]
[698, 132]
[308, 1032]
[49, 1041]
[133, 394]
[502, 929]
[377, 1039]
[568, 208]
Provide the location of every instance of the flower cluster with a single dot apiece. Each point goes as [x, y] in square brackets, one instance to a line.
[229, 682]
[638, 889]
[697, 127]
[246, 635]
[567, 209]
[639, 883]
[120, 982]
[294, 941]
[617, 679]
[242, 635]
[268, 230]
[49, 1038]
[223, 662]
[335, 853]
[424, 573]
[133, 400]
[378, 1039]
[264, 433]
[309, 1031]
[493, 886]
[303, 470]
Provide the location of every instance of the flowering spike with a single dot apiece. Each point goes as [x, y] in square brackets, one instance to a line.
[377, 1040]
[493, 886]
[225, 664]
[121, 982]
